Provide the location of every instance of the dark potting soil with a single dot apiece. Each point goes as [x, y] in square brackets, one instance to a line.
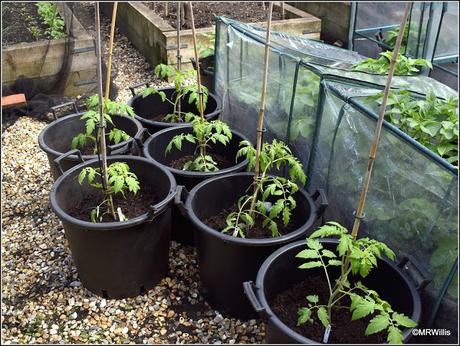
[21, 23]
[132, 206]
[344, 331]
[222, 161]
[155, 117]
[258, 231]
[205, 12]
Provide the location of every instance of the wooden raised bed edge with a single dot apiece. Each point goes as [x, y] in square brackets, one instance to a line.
[41, 61]
[156, 39]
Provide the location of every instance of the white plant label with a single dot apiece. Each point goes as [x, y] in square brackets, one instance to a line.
[326, 334]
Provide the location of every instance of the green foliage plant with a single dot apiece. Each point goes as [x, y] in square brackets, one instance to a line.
[50, 17]
[356, 257]
[275, 155]
[431, 121]
[392, 35]
[204, 134]
[120, 180]
[191, 90]
[404, 65]
[92, 131]
[205, 50]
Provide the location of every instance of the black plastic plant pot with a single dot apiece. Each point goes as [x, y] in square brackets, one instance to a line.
[154, 149]
[56, 137]
[280, 271]
[151, 106]
[206, 71]
[225, 261]
[118, 259]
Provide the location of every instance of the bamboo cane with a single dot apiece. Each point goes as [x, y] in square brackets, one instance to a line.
[373, 151]
[262, 110]
[262, 97]
[198, 76]
[179, 58]
[109, 61]
[166, 8]
[102, 146]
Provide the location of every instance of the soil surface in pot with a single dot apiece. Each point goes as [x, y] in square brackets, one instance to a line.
[132, 206]
[222, 161]
[158, 117]
[21, 23]
[205, 13]
[258, 231]
[344, 330]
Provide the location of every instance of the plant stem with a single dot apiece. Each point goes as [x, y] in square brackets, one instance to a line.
[103, 147]
[261, 110]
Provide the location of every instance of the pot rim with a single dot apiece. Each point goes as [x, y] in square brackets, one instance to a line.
[192, 174]
[245, 241]
[217, 111]
[260, 290]
[114, 225]
[48, 150]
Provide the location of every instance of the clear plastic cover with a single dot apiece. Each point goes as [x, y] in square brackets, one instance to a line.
[315, 102]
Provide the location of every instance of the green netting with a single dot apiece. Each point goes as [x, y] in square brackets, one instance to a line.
[317, 104]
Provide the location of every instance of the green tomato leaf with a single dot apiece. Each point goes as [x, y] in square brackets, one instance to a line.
[377, 324]
[323, 316]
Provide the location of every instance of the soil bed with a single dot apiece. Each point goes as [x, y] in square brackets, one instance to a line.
[222, 161]
[21, 23]
[219, 222]
[344, 330]
[132, 206]
[205, 13]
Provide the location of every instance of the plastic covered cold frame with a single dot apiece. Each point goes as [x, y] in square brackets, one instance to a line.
[315, 103]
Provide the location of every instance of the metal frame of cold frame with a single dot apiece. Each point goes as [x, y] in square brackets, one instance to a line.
[426, 52]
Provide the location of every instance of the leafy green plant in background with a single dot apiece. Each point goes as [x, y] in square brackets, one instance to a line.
[204, 133]
[275, 155]
[392, 35]
[305, 105]
[91, 117]
[362, 255]
[431, 121]
[191, 91]
[51, 18]
[120, 180]
[404, 65]
[205, 50]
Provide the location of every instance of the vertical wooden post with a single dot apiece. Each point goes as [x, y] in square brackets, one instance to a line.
[283, 11]
[262, 97]
[179, 57]
[197, 60]
[103, 148]
[359, 213]
[166, 8]
[102, 144]
[260, 124]
[109, 62]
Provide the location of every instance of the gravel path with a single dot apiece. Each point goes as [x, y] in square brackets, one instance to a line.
[43, 300]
